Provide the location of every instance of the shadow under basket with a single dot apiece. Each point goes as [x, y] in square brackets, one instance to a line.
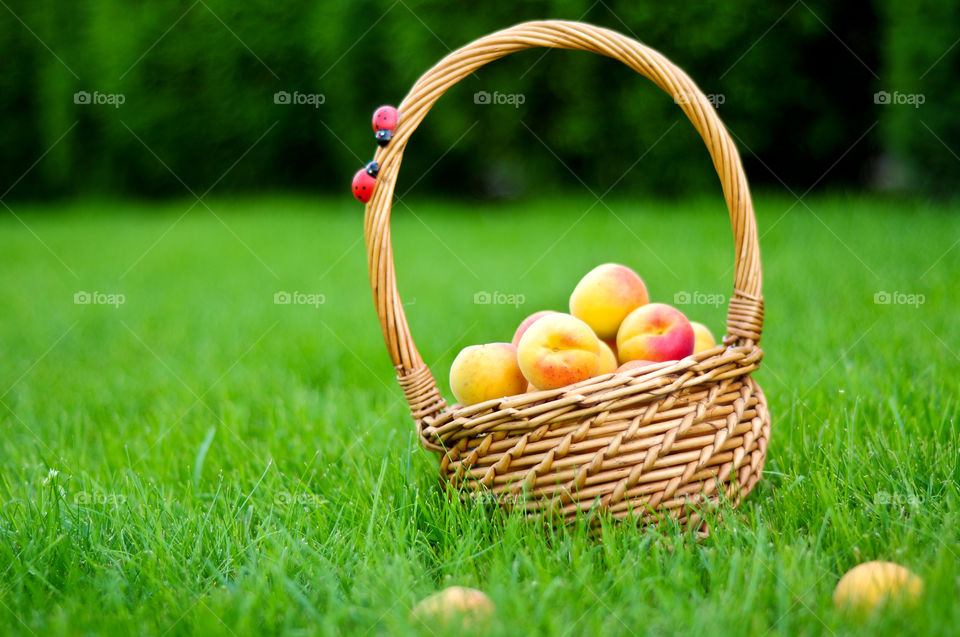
[663, 440]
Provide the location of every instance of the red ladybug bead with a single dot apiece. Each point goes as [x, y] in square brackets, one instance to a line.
[385, 118]
[364, 182]
[384, 121]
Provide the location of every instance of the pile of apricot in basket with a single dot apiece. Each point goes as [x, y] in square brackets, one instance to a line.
[611, 327]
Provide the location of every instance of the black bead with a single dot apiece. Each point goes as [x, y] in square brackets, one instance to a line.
[372, 169]
[384, 136]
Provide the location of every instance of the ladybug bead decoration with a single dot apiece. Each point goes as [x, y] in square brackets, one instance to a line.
[364, 181]
[384, 122]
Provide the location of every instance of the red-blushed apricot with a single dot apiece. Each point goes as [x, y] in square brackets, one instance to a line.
[634, 365]
[655, 332]
[558, 350]
[526, 323]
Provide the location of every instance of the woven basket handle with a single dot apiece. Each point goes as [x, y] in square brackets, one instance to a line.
[745, 312]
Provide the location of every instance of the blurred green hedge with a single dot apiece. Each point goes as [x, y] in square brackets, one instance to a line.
[198, 82]
[921, 56]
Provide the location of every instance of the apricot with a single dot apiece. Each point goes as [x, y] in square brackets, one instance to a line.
[526, 323]
[608, 360]
[485, 372]
[558, 350]
[454, 605]
[866, 585]
[703, 339]
[605, 296]
[655, 332]
[633, 365]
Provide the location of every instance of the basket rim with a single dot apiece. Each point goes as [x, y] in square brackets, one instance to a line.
[457, 421]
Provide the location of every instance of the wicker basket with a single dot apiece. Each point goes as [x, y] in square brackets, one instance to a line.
[660, 441]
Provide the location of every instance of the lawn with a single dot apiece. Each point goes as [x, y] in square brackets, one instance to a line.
[193, 458]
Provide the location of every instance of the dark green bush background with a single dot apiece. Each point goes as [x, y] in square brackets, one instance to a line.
[798, 82]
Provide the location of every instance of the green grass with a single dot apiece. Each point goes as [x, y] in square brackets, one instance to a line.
[200, 460]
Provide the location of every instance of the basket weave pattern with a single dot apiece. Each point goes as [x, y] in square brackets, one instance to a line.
[644, 443]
